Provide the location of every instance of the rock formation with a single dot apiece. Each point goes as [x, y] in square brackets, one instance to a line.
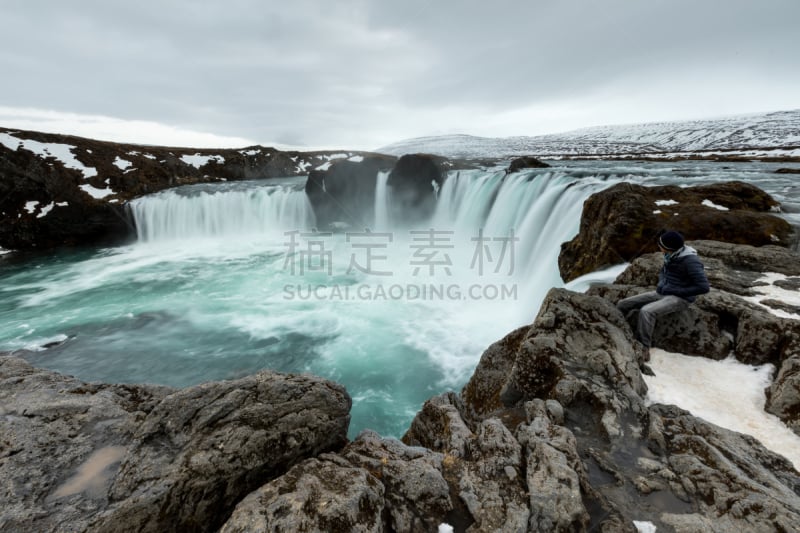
[621, 222]
[92, 457]
[62, 190]
[414, 181]
[344, 194]
[552, 433]
[524, 162]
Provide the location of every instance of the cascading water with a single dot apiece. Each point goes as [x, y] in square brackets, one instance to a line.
[247, 209]
[382, 200]
[214, 289]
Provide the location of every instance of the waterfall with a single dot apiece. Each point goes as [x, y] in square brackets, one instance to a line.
[543, 210]
[382, 200]
[540, 209]
[174, 214]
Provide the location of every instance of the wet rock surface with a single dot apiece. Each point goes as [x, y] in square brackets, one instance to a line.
[553, 432]
[344, 194]
[414, 181]
[95, 457]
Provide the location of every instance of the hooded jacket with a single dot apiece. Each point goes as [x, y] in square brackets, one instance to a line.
[683, 275]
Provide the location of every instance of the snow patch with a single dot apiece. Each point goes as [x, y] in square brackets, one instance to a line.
[356, 159]
[198, 160]
[644, 527]
[46, 209]
[324, 166]
[62, 152]
[122, 164]
[94, 192]
[148, 156]
[30, 207]
[62, 204]
[445, 528]
[4, 251]
[250, 152]
[709, 203]
[657, 212]
[705, 388]
[772, 292]
[666, 202]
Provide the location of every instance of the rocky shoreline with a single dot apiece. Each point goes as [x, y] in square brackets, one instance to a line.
[553, 432]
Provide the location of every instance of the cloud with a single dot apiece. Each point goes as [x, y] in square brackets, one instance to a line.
[114, 129]
[364, 73]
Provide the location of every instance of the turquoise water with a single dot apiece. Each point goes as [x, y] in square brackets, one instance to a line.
[212, 291]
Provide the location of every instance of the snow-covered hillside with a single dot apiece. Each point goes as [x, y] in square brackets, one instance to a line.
[776, 134]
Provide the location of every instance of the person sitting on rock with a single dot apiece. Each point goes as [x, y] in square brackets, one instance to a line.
[680, 281]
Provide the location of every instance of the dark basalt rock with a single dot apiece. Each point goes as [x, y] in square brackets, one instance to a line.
[754, 334]
[374, 484]
[552, 433]
[74, 217]
[783, 396]
[622, 222]
[414, 181]
[162, 459]
[344, 194]
[524, 162]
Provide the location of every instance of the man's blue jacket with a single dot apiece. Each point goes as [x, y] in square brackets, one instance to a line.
[683, 275]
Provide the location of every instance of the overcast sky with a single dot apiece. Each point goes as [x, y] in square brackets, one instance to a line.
[361, 74]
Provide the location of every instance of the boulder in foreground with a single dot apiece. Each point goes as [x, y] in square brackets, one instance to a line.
[95, 457]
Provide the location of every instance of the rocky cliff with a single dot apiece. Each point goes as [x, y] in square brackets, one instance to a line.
[553, 432]
[622, 222]
[60, 190]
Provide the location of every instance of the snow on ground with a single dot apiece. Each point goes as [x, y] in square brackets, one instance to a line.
[356, 159]
[4, 251]
[30, 207]
[94, 192]
[46, 209]
[324, 166]
[726, 393]
[445, 528]
[198, 160]
[773, 292]
[122, 164]
[709, 203]
[666, 202]
[644, 527]
[62, 152]
[754, 136]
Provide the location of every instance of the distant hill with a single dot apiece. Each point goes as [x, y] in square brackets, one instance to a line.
[766, 135]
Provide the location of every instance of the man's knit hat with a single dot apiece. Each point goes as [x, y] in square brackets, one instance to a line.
[671, 240]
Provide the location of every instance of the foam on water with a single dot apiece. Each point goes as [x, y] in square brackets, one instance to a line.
[211, 290]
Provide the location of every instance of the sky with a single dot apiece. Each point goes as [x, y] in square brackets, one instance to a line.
[361, 74]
